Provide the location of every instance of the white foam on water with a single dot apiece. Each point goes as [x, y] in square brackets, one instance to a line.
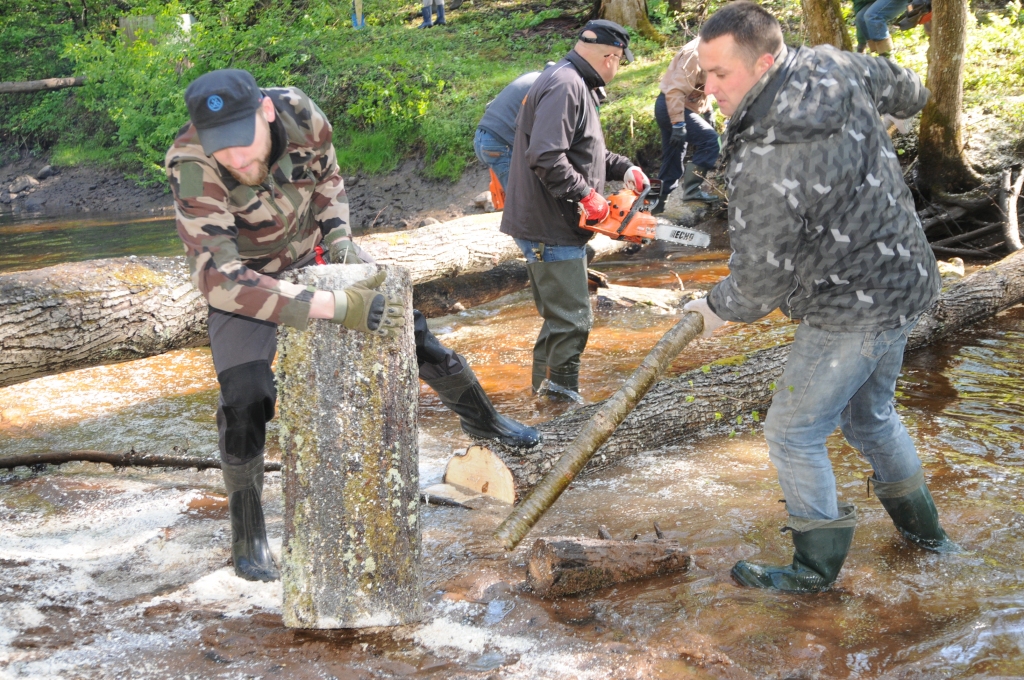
[225, 592]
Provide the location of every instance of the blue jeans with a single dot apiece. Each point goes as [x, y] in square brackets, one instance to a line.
[873, 21]
[494, 153]
[844, 379]
[534, 252]
[699, 132]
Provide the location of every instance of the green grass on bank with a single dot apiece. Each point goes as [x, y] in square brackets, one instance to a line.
[389, 89]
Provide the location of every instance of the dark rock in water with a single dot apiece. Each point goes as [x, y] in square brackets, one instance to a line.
[5, 198]
[47, 171]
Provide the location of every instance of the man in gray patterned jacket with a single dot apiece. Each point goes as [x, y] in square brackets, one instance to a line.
[823, 227]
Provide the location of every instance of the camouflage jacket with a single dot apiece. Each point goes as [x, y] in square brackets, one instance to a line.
[238, 237]
[821, 222]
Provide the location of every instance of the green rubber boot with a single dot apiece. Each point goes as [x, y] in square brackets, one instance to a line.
[819, 550]
[912, 510]
[250, 551]
[562, 297]
[693, 178]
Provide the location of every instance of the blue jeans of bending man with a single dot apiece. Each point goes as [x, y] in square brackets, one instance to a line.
[844, 379]
[493, 152]
[873, 21]
[699, 132]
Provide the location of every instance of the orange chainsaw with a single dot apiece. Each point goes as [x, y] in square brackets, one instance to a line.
[630, 219]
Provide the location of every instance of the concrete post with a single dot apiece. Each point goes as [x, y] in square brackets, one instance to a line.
[347, 400]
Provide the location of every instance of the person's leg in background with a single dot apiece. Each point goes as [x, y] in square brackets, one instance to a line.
[877, 18]
[243, 349]
[558, 280]
[671, 152]
[702, 134]
[494, 153]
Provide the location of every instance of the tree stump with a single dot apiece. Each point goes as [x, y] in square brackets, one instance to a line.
[348, 433]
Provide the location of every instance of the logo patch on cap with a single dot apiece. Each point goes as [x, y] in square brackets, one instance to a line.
[214, 103]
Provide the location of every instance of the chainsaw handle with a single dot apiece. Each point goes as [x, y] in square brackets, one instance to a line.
[635, 207]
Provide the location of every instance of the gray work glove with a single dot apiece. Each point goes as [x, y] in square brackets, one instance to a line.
[343, 250]
[361, 308]
[711, 320]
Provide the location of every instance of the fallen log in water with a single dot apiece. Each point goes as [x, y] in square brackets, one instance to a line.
[566, 565]
[739, 389]
[91, 313]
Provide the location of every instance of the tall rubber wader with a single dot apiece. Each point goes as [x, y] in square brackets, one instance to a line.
[563, 301]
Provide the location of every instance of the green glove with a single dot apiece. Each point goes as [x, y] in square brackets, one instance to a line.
[361, 308]
[343, 249]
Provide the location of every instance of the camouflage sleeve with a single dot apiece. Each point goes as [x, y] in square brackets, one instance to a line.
[896, 90]
[208, 231]
[766, 232]
[330, 203]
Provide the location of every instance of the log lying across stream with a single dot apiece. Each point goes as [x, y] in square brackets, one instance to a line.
[676, 409]
[99, 312]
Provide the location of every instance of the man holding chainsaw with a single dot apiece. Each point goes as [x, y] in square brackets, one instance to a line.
[823, 226]
[257, 192]
[559, 166]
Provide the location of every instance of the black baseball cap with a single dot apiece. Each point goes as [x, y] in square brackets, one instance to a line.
[222, 105]
[608, 33]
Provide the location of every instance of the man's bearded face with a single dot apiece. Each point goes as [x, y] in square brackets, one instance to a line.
[249, 164]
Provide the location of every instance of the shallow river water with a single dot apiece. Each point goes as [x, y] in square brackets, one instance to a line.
[124, 573]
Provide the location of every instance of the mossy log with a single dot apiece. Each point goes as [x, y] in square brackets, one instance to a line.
[104, 311]
[567, 565]
[677, 409]
[347, 404]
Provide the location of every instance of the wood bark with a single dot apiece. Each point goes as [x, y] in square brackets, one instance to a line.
[566, 565]
[732, 392]
[90, 313]
[127, 459]
[825, 25]
[942, 164]
[347, 401]
[11, 87]
[631, 13]
[597, 430]
[1009, 193]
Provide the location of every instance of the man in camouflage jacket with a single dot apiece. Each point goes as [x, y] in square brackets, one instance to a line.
[823, 227]
[257, 192]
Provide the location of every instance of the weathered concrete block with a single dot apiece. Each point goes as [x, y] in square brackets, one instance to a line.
[347, 405]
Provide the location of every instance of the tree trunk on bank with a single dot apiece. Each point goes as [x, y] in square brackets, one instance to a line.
[351, 551]
[825, 25]
[631, 13]
[942, 164]
[90, 313]
[735, 392]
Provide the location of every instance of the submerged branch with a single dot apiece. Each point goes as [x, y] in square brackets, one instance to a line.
[127, 459]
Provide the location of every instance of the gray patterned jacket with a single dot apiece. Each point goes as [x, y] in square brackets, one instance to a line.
[821, 222]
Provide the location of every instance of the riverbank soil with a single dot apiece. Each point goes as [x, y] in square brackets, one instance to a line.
[399, 199]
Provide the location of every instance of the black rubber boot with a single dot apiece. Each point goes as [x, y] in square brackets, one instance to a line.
[819, 550]
[562, 296]
[250, 551]
[463, 394]
[440, 16]
[692, 182]
[913, 512]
